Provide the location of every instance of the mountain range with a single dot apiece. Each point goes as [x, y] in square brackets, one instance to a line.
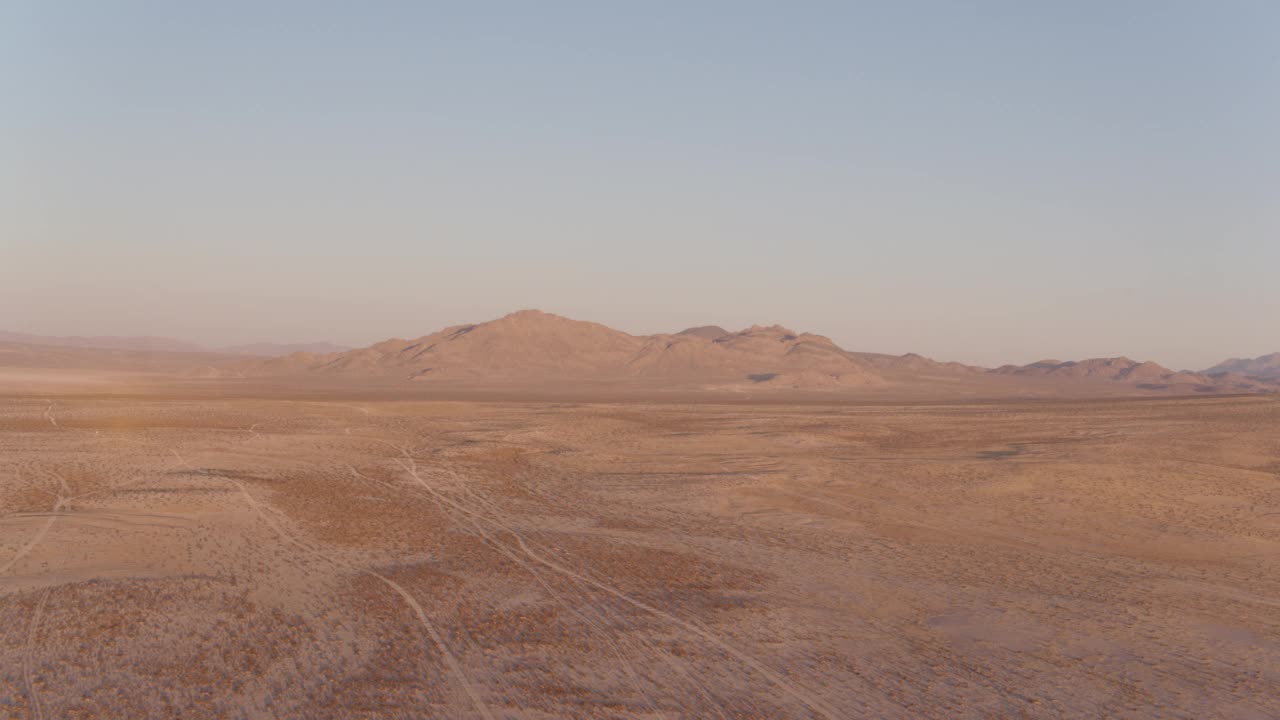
[534, 345]
[531, 344]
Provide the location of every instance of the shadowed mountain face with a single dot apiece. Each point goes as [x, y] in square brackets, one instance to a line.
[762, 355]
[1266, 367]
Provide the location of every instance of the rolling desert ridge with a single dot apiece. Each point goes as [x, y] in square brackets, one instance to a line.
[535, 517]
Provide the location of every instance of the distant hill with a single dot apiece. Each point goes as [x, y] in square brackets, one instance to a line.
[1148, 375]
[913, 363]
[268, 349]
[161, 344]
[107, 342]
[1266, 367]
[1117, 368]
[45, 355]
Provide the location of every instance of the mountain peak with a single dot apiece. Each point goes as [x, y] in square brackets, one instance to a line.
[708, 332]
[527, 312]
[770, 330]
[526, 316]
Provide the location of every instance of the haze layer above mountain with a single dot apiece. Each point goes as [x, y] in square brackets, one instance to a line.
[271, 349]
[106, 342]
[163, 344]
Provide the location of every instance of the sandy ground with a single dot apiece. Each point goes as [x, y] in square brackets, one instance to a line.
[333, 557]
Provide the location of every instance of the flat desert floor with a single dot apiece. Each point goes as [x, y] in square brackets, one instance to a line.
[209, 557]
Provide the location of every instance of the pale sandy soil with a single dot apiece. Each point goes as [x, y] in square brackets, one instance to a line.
[363, 558]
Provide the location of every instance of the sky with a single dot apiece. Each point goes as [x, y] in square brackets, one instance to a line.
[987, 182]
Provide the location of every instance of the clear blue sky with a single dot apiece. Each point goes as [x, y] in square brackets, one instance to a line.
[980, 181]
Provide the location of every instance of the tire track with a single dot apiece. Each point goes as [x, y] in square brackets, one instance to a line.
[596, 626]
[604, 606]
[804, 697]
[28, 673]
[58, 504]
[600, 606]
[460, 675]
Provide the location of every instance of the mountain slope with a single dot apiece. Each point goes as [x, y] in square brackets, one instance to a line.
[528, 343]
[915, 364]
[761, 355]
[1266, 367]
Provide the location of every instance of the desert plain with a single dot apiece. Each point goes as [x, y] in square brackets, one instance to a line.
[204, 550]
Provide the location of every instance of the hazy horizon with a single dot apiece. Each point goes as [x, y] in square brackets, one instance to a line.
[997, 183]
[215, 346]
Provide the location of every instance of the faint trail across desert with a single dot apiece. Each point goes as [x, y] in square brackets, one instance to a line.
[60, 502]
[464, 681]
[803, 696]
[595, 625]
[28, 675]
[496, 560]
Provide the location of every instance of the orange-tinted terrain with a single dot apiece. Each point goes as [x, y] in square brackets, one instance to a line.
[172, 547]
